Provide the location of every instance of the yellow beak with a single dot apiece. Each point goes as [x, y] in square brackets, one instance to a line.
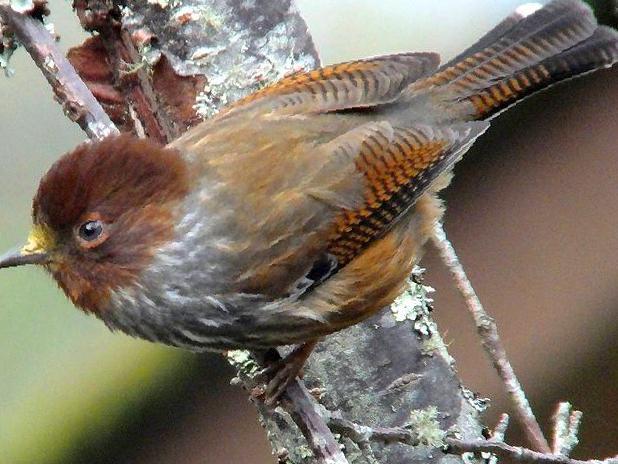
[35, 251]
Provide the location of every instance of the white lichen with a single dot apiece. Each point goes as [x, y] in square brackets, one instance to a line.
[415, 304]
[432, 344]
[161, 3]
[50, 65]
[203, 14]
[233, 73]
[479, 403]
[22, 6]
[242, 360]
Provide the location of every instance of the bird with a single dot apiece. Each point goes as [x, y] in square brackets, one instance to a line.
[298, 210]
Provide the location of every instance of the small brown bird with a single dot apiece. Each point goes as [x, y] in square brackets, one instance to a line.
[300, 209]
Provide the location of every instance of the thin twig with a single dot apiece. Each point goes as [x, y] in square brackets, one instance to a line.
[491, 342]
[498, 434]
[71, 92]
[362, 434]
[500, 428]
[566, 428]
[516, 453]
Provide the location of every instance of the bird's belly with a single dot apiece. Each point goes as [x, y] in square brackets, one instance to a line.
[160, 313]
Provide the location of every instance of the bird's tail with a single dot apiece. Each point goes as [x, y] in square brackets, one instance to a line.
[522, 55]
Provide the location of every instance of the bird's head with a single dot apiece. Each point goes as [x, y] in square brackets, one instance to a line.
[100, 214]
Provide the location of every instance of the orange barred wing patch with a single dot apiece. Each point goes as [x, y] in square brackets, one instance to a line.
[341, 86]
[398, 167]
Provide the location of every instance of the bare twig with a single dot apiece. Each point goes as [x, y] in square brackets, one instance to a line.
[500, 428]
[498, 434]
[516, 453]
[362, 434]
[491, 341]
[566, 428]
[71, 92]
[495, 445]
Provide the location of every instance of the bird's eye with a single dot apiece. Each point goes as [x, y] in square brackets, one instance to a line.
[90, 230]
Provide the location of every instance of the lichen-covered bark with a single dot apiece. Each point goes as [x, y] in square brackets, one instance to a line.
[239, 45]
[394, 370]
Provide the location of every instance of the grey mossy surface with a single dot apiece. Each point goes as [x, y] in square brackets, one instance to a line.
[239, 45]
[392, 370]
[389, 373]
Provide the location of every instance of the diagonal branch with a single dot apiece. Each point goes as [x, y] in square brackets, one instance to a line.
[490, 339]
[77, 101]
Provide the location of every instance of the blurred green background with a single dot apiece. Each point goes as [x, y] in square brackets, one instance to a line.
[532, 212]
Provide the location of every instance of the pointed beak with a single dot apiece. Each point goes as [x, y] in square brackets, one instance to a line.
[34, 252]
[19, 258]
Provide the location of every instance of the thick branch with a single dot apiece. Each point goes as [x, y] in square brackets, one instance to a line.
[76, 100]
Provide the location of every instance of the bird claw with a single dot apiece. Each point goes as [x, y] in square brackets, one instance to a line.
[280, 373]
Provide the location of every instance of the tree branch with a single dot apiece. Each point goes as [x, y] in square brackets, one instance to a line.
[490, 339]
[495, 445]
[566, 429]
[77, 101]
[516, 453]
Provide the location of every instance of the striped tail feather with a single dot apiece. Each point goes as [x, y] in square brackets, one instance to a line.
[491, 37]
[598, 51]
[557, 42]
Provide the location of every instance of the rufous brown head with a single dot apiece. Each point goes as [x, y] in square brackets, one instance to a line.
[99, 214]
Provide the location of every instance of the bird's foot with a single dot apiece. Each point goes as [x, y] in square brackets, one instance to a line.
[281, 372]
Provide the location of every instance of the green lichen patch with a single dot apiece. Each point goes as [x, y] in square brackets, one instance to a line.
[424, 422]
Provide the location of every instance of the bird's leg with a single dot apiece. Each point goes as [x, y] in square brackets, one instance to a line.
[281, 372]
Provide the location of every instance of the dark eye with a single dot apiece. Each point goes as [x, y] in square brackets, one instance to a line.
[91, 230]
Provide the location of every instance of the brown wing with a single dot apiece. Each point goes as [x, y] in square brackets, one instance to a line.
[294, 202]
[398, 164]
[346, 85]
